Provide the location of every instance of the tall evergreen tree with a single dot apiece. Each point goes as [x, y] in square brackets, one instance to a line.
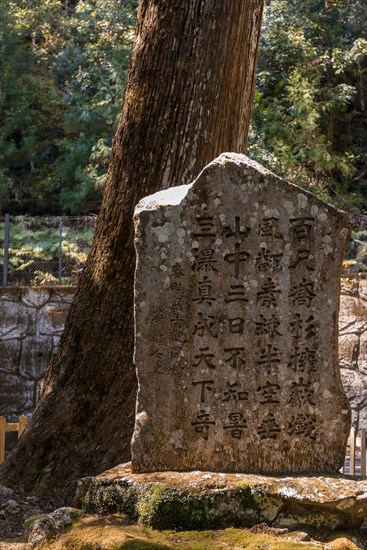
[188, 98]
[310, 112]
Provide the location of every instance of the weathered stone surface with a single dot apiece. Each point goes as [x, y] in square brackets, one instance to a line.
[35, 296]
[236, 303]
[47, 528]
[15, 508]
[53, 318]
[11, 294]
[353, 347]
[206, 500]
[355, 385]
[32, 321]
[16, 320]
[10, 351]
[64, 294]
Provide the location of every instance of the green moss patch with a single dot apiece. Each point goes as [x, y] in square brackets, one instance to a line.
[117, 532]
[169, 508]
[31, 520]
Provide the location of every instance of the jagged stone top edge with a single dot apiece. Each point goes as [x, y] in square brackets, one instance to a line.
[173, 196]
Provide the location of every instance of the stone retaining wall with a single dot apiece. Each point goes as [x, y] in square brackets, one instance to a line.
[353, 347]
[32, 320]
[31, 323]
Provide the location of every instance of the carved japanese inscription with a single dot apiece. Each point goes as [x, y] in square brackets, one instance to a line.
[236, 301]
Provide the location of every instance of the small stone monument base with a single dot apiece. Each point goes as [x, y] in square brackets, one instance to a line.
[209, 500]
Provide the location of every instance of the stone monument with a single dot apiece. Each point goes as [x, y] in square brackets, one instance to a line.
[236, 311]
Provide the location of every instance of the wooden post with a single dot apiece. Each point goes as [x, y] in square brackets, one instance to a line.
[5, 427]
[363, 452]
[352, 452]
[2, 439]
[22, 424]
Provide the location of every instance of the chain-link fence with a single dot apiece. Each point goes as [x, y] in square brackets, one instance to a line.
[44, 250]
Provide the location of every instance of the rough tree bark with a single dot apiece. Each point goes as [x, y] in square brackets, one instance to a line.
[188, 98]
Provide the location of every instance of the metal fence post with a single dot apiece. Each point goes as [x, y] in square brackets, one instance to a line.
[2, 438]
[6, 249]
[60, 250]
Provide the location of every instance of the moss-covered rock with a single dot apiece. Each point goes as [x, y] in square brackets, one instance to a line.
[44, 529]
[118, 532]
[171, 508]
[207, 500]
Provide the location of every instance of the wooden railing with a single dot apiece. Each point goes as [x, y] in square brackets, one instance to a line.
[355, 460]
[6, 427]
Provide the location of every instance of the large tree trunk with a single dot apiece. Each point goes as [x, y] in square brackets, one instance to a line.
[188, 98]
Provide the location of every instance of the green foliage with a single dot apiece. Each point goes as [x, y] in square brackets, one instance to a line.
[310, 105]
[91, 72]
[30, 106]
[63, 68]
[34, 250]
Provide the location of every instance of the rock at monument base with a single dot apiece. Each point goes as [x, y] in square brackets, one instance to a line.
[208, 500]
[236, 304]
[41, 531]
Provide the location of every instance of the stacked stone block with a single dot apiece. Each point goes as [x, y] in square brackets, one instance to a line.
[31, 322]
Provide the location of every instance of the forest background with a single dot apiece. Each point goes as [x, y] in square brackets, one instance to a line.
[62, 73]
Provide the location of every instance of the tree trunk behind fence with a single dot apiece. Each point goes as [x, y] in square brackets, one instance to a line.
[188, 98]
